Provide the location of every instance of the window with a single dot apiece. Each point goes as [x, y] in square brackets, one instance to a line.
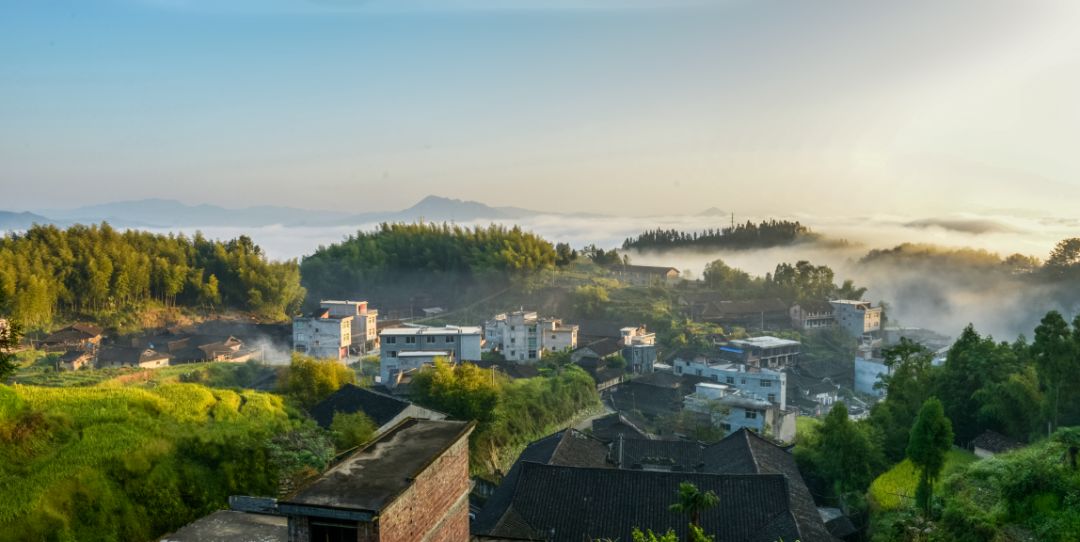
[716, 378]
[512, 328]
[326, 531]
[751, 415]
[554, 337]
[744, 381]
[512, 340]
[393, 354]
[730, 380]
[772, 397]
[449, 338]
[678, 369]
[532, 354]
[699, 372]
[430, 338]
[410, 340]
[391, 340]
[766, 383]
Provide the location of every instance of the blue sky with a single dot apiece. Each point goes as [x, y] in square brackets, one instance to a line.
[645, 106]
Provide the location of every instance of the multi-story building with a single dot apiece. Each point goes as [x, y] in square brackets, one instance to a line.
[810, 315]
[408, 348]
[365, 336]
[639, 349]
[731, 409]
[525, 337]
[322, 335]
[764, 352]
[858, 318]
[753, 382]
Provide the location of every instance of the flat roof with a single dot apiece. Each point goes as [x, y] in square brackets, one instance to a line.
[233, 526]
[766, 342]
[433, 330]
[373, 477]
[711, 385]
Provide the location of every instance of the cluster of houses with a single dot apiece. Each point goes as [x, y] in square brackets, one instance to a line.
[84, 346]
[411, 482]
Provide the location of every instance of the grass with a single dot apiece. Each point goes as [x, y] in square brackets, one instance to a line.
[895, 489]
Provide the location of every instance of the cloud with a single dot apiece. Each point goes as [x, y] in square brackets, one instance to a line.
[972, 226]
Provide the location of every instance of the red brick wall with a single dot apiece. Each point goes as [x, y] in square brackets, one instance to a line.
[436, 506]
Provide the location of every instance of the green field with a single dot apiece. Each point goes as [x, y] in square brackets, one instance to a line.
[896, 488]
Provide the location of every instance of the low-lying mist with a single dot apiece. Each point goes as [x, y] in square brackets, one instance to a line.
[997, 303]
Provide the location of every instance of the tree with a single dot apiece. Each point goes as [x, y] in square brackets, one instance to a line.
[564, 254]
[974, 363]
[10, 334]
[1055, 354]
[722, 276]
[311, 380]
[590, 300]
[693, 501]
[351, 430]
[912, 380]
[842, 453]
[929, 444]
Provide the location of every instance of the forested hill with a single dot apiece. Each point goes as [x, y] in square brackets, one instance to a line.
[769, 233]
[433, 254]
[50, 273]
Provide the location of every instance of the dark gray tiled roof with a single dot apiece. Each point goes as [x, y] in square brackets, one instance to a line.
[571, 503]
[995, 442]
[351, 399]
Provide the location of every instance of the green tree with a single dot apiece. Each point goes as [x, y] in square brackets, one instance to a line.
[974, 363]
[590, 300]
[10, 334]
[1055, 352]
[311, 380]
[692, 501]
[722, 276]
[842, 453]
[351, 430]
[649, 536]
[911, 383]
[930, 442]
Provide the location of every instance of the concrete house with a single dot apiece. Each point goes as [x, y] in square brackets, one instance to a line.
[764, 352]
[322, 335]
[858, 318]
[645, 275]
[523, 336]
[406, 349]
[119, 356]
[731, 409]
[365, 335]
[810, 315]
[760, 383]
[639, 349]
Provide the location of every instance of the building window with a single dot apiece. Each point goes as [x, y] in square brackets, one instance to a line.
[744, 381]
[766, 383]
[391, 340]
[699, 372]
[449, 339]
[430, 338]
[678, 369]
[772, 397]
[730, 380]
[512, 340]
[532, 354]
[751, 415]
[715, 378]
[393, 354]
[553, 337]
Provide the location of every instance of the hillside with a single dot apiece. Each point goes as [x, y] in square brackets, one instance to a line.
[126, 463]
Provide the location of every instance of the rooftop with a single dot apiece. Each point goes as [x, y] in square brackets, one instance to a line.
[232, 526]
[374, 476]
[765, 342]
[431, 330]
[350, 399]
[568, 503]
[423, 353]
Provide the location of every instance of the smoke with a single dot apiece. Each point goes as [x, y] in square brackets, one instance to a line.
[271, 352]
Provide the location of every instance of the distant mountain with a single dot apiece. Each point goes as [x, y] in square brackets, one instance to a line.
[20, 221]
[713, 211]
[167, 213]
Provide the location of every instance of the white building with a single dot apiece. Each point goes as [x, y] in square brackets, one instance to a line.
[365, 336]
[525, 337]
[639, 349]
[732, 410]
[764, 384]
[322, 335]
[408, 348]
[856, 317]
[765, 352]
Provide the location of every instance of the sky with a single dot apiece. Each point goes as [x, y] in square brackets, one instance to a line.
[634, 107]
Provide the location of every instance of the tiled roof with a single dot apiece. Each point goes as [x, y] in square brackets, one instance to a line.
[350, 399]
[568, 447]
[572, 503]
[640, 453]
[604, 347]
[608, 428]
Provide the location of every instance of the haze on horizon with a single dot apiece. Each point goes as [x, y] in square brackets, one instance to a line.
[645, 107]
